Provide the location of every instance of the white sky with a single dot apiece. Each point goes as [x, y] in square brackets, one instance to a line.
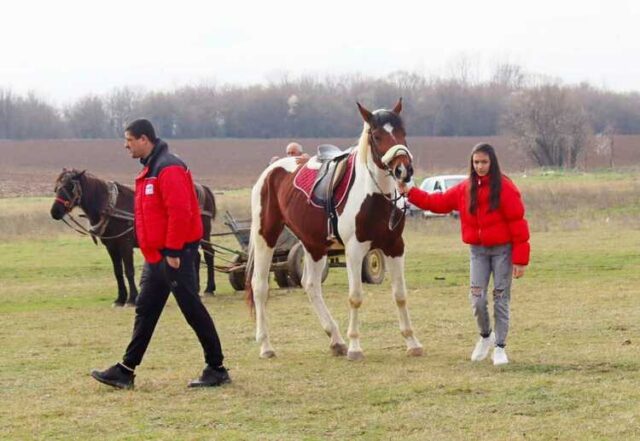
[64, 49]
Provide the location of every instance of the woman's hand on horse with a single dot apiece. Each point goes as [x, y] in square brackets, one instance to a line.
[173, 262]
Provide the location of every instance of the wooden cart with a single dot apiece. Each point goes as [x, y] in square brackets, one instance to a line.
[288, 258]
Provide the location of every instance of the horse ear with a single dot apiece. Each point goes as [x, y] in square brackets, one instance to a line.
[398, 107]
[81, 174]
[366, 115]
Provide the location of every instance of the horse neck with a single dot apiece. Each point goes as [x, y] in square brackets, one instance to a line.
[94, 196]
[383, 180]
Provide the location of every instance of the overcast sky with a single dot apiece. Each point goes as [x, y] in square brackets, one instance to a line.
[65, 49]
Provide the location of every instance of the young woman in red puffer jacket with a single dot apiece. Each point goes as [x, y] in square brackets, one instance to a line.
[492, 222]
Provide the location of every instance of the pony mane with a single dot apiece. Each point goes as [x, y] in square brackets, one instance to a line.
[363, 144]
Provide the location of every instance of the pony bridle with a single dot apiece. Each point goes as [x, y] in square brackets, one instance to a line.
[72, 199]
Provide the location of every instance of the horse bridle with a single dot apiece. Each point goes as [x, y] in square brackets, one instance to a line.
[377, 158]
[73, 198]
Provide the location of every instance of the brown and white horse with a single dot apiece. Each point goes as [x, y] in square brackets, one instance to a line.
[367, 219]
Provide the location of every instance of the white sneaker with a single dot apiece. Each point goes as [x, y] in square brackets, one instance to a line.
[499, 356]
[482, 348]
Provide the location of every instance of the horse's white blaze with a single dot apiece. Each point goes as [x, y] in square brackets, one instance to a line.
[388, 127]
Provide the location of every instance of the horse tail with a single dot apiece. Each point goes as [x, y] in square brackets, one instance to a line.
[210, 197]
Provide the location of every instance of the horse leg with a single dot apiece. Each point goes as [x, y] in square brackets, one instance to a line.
[355, 252]
[395, 265]
[260, 284]
[312, 284]
[116, 260]
[207, 249]
[129, 272]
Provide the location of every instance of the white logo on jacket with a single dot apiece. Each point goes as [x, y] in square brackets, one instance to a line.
[148, 189]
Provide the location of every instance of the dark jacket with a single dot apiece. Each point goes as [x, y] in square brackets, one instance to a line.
[484, 227]
[167, 214]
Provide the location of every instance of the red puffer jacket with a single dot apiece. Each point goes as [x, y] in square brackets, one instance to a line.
[167, 214]
[484, 227]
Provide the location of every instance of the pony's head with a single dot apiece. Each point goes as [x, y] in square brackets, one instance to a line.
[385, 134]
[68, 192]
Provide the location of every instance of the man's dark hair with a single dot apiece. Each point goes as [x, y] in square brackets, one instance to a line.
[141, 127]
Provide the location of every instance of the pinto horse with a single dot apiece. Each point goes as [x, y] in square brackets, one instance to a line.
[367, 217]
[109, 209]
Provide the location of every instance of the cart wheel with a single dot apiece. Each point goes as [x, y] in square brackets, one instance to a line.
[237, 278]
[295, 261]
[373, 267]
[282, 278]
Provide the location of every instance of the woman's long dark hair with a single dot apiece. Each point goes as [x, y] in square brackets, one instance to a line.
[495, 178]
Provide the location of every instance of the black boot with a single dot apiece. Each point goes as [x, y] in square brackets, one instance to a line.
[212, 377]
[117, 376]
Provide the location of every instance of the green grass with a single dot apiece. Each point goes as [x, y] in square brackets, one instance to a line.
[574, 370]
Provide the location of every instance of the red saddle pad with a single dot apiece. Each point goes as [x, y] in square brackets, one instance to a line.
[306, 177]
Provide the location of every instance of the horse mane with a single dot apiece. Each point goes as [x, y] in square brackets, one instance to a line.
[363, 144]
[91, 186]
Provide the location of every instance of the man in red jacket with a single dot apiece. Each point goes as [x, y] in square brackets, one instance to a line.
[168, 228]
[492, 222]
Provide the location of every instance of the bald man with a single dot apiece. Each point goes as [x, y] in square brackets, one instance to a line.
[293, 149]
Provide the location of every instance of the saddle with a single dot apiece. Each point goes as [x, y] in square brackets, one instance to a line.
[332, 169]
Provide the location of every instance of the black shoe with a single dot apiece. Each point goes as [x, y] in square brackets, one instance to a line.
[212, 377]
[117, 376]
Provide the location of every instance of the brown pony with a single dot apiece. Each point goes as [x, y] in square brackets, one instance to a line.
[367, 218]
[109, 208]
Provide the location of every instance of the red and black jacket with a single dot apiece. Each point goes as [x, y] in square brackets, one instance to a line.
[485, 227]
[167, 214]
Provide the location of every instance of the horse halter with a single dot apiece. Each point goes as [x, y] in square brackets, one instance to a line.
[73, 198]
[380, 119]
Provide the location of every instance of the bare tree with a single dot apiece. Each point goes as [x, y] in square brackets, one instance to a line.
[549, 123]
[605, 144]
[87, 118]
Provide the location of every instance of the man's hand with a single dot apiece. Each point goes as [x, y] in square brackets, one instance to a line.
[518, 271]
[302, 158]
[173, 262]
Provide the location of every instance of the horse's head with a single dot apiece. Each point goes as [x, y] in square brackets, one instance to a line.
[387, 139]
[68, 192]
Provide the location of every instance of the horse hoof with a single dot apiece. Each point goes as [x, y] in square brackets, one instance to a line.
[339, 349]
[130, 305]
[415, 352]
[117, 305]
[209, 293]
[268, 354]
[355, 356]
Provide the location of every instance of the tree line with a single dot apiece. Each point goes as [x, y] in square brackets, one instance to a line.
[509, 101]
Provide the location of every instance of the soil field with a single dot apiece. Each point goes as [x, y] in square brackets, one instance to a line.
[30, 167]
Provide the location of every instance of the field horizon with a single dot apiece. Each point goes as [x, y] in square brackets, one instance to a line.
[29, 167]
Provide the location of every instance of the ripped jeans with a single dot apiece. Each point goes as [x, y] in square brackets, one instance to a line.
[484, 262]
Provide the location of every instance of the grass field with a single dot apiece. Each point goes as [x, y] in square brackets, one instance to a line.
[573, 346]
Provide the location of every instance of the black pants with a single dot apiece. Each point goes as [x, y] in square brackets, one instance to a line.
[157, 280]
